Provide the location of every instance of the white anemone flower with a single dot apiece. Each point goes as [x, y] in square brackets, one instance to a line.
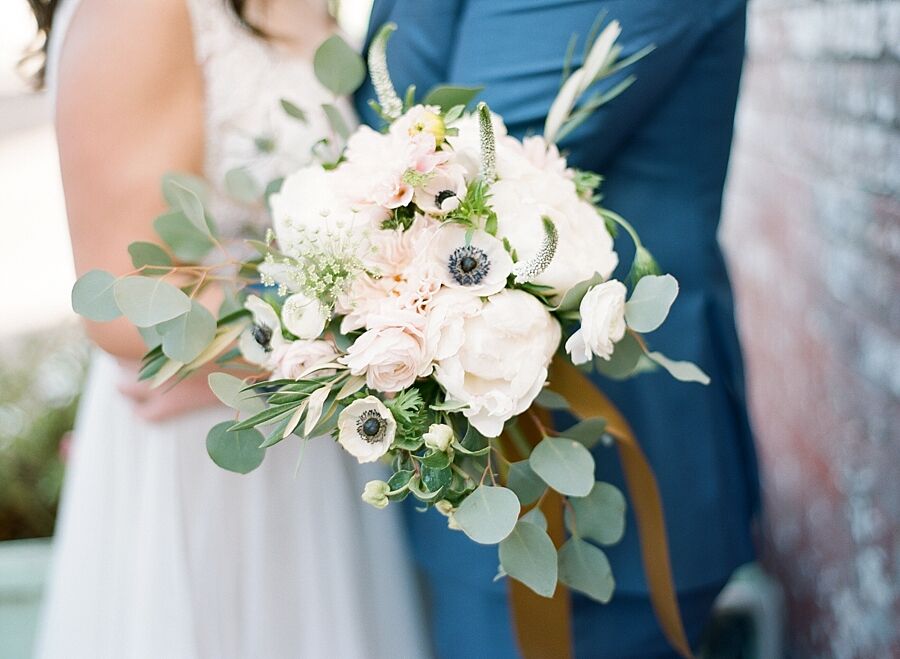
[366, 429]
[479, 265]
[262, 339]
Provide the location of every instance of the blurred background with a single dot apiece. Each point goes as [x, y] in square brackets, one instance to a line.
[812, 231]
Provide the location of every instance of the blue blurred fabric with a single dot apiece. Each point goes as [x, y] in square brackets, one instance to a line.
[663, 149]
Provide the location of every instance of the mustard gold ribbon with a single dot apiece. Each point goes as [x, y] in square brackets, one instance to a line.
[543, 625]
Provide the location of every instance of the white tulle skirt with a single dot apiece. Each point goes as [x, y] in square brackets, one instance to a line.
[161, 554]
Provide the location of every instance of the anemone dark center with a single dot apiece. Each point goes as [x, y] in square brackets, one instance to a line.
[443, 196]
[263, 336]
[371, 427]
[469, 265]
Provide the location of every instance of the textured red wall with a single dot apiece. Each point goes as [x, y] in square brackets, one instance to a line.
[812, 229]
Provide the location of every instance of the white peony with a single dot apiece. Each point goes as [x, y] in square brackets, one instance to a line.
[293, 360]
[502, 365]
[392, 352]
[366, 429]
[261, 341]
[478, 262]
[303, 317]
[311, 202]
[584, 247]
[602, 323]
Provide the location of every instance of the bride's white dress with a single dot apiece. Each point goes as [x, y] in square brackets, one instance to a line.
[161, 554]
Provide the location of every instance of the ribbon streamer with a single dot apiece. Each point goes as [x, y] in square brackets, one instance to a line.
[541, 622]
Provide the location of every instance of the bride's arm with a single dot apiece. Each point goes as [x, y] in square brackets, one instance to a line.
[129, 109]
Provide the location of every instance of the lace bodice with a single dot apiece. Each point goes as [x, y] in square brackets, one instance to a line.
[245, 79]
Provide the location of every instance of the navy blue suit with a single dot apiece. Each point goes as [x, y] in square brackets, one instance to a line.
[663, 148]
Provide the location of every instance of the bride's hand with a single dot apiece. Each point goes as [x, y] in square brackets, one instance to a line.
[192, 393]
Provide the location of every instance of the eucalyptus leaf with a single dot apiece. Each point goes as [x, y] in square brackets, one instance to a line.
[336, 120]
[151, 337]
[550, 400]
[148, 254]
[194, 183]
[650, 302]
[237, 451]
[528, 555]
[624, 361]
[293, 110]
[680, 370]
[585, 568]
[338, 67]
[572, 299]
[448, 96]
[146, 301]
[536, 517]
[229, 390]
[600, 516]
[241, 185]
[188, 335]
[93, 296]
[187, 201]
[489, 514]
[522, 480]
[588, 432]
[565, 465]
[186, 242]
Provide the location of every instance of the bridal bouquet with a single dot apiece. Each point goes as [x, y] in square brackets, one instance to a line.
[408, 302]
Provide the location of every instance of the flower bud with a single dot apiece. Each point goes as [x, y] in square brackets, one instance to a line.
[438, 437]
[444, 507]
[375, 494]
[429, 122]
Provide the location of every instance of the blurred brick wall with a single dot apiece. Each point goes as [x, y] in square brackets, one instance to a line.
[812, 229]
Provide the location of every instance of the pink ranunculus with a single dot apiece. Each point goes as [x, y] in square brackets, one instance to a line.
[292, 360]
[392, 352]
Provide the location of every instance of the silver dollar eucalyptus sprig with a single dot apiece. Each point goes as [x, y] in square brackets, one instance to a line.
[526, 271]
[488, 144]
[391, 105]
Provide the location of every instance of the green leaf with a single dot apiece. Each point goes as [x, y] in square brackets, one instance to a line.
[522, 480]
[529, 556]
[185, 241]
[600, 516]
[489, 514]
[434, 479]
[293, 111]
[448, 96]
[550, 400]
[585, 568]
[587, 432]
[241, 185]
[236, 451]
[144, 254]
[151, 337]
[572, 299]
[229, 390]
[196, 184]
[338, 67]
[565, 465]
[185, 337]
[187, 201]
[147, 301]
[680, 370]
[624, 360]
[336, 120]
[650, 302]
[93, 296]
[436, 460]
[536, 517]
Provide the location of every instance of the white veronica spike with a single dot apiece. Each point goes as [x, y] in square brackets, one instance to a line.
[488, 169]
[527, 271]
[580, 80]
[391, 105]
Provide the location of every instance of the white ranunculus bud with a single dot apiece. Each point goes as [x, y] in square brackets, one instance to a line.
[438, 437]
[602, 323]
[444, 507]
[303, 317]
[375, 494]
